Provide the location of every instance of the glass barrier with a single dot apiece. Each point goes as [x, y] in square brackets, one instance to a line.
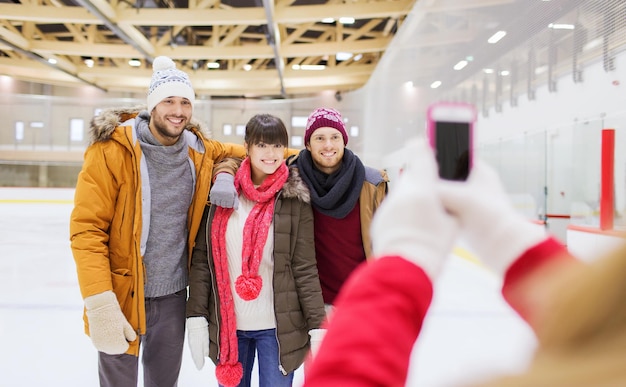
[554, 175]
[586, 147]
[521, 165]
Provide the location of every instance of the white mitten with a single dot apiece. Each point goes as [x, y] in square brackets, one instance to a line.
[412, 222]
[317, 335]
[198, 339]
[493, 228]
[223, 192]
[109, 330]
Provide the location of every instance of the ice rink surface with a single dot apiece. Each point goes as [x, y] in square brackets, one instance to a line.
[469, 334]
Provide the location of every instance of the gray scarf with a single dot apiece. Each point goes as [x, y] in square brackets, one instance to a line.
[336, 194]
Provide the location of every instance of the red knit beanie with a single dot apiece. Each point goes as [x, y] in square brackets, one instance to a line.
[325, 117]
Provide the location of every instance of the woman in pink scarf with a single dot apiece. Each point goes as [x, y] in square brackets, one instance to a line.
[254, 288]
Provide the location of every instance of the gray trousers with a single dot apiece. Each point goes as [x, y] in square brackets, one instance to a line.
[161, 347]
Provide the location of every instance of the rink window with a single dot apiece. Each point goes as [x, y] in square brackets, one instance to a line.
[297, 141]
[298, 121]
[19, 130]
[227, 129]
[77, 129]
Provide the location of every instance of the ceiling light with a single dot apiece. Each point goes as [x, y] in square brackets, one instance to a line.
[212, 65]
[247, 67]
[89, 62]
[341, 56]
[134, 62]
[52, 61]
[328, 20]
[504, 73]
[488, 71]
[358, 57]
[346, 20]
[496, 37]
[556, 26]
[308, 67]
[460, 65]
[435, 84]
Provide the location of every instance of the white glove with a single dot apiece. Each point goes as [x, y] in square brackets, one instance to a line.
[198, 339]
[411, 222]
[109, 330]
[317, 335]
[492, 227]
[223, 192]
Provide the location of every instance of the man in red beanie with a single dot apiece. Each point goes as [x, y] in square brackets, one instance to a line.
[344, 194]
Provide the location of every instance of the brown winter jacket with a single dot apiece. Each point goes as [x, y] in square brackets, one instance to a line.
[298, 303]
[373, 192]
[107, 223]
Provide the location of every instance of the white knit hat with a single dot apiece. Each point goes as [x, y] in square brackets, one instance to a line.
[167, 81]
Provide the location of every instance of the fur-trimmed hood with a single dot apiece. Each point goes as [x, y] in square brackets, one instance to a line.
[103, 125]
[295, 187]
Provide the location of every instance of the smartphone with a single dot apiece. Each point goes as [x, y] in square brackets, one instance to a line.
[450, 131]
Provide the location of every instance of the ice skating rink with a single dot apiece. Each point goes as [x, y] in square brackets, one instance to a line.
[470, 332]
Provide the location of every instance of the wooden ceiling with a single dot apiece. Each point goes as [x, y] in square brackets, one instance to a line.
[257, 44]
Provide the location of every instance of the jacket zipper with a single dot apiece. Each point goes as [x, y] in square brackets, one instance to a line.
[138, 257]
[280, 364]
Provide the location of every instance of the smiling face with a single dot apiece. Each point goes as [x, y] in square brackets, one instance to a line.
[264, 159]
[169, 118]
[326, 146]
[265, 141]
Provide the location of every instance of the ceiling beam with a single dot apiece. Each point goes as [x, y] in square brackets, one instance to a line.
[273, 38]
[103, 13]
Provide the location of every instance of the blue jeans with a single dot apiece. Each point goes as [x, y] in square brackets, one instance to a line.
[265, 343]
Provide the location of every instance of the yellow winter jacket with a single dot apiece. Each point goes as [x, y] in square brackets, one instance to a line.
[108, 224]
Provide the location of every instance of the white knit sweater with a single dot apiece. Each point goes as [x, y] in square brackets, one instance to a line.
[256, 314]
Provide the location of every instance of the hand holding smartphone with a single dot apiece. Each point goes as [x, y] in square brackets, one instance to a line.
[450, 130]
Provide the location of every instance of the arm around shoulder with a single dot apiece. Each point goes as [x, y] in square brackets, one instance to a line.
[229, 165]
[219, 150]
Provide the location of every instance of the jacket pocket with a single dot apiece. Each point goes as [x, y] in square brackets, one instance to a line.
[123, 287]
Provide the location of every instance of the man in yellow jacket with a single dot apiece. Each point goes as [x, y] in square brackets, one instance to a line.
[137, 208]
